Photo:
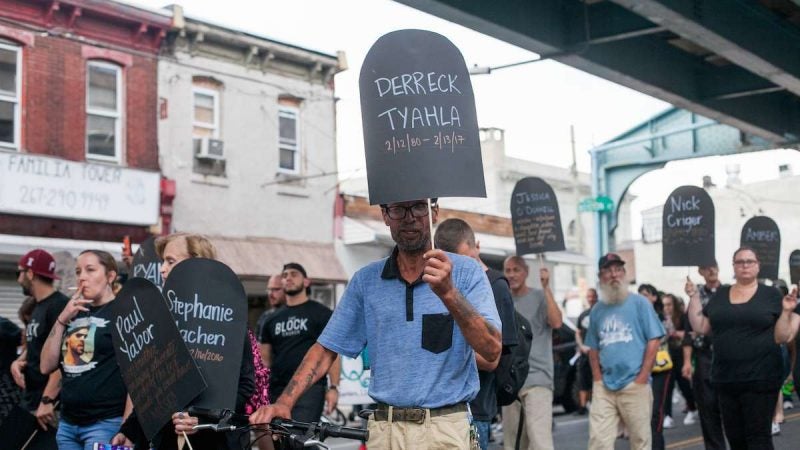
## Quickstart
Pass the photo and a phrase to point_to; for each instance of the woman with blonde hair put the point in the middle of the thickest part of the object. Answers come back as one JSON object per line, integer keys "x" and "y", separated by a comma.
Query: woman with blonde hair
{"x": 173, "y": 249}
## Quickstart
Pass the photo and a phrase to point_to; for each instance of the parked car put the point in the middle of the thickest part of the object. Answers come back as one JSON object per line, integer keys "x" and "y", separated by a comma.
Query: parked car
{"x": 565, "y": 388}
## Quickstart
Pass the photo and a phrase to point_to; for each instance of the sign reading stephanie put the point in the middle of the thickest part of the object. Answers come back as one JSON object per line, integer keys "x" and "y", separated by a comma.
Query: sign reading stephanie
{"x": 762, "y": 235}
{"x": 52, "y": 187}
{"x": 535, "y": 217}
{"x": 209, "y": 306}
{"x": 420, "y": 125}
{"x": 146, "y": 263}
{"x": 159, "y": 373}
{"x": 794, "y": 267}
{"x": 687, "y": 228}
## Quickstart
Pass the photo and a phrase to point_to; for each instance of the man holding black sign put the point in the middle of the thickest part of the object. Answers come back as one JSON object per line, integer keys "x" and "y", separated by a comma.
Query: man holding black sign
{"x": 536, "y": 397}
{"x": 420, "y": 313}
{"x": 287, "y": 335}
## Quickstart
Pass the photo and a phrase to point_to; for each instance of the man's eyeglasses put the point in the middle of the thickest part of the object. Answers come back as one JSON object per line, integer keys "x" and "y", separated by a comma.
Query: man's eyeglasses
{"x": 399, "y": 212}
{"x": 744, "y": 262}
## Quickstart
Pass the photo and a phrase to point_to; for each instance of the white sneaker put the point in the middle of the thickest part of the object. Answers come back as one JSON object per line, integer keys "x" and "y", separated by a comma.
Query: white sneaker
{"x": 788, "y": 404}
{"x": 668, "y": 422}
{"x": 690, "y": 418}
{"x": 776, "y": 428}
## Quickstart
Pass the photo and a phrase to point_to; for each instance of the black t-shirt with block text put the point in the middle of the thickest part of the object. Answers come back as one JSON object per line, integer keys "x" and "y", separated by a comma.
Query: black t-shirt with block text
{"x": 43, "y": 318}
{"x": 291, "y": 331}
{"x": 743, "y": 336}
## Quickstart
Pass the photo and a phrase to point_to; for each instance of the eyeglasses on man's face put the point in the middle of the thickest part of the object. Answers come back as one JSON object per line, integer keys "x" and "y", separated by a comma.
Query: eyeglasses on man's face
{"x": 397, "y": 212}
{"x": 614, "y": 270}
{"x": 744, "y": 262}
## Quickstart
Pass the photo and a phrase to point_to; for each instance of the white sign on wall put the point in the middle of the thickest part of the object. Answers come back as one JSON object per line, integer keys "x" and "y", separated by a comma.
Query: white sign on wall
{"x": 52, "y": 187}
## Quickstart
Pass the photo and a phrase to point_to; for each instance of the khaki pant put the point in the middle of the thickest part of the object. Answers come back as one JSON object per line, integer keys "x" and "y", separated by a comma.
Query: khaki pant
{"x": 450, "y": 431}
{"x": 537, "y": 431}
{"x": 633, "y": 404}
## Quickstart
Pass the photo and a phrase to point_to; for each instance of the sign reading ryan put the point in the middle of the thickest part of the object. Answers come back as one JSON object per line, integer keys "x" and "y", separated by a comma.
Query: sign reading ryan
{"x": 146, "y": 262}
{"x": 535, "y": 217}
{"x": 158, "y": 370}
{"x": 420, "y": 125}
{"x": 762, "y": 235}
{"x": 209, "y": 306}
{"x": 688, "y": 228}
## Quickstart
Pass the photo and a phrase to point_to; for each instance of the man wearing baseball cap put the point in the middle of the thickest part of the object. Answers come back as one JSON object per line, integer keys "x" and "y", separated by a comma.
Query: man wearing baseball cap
{"x": 36, "y": 272}
{"x": 623, "y": 337}
{"x": 287, "y": 335}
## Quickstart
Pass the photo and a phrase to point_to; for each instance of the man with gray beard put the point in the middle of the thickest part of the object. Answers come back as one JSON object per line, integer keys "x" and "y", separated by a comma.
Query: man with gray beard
{"x": 623, "y": 335}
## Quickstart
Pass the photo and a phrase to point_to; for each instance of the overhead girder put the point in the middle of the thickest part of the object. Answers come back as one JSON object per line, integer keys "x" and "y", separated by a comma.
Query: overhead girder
{"x": 628, "y": 42}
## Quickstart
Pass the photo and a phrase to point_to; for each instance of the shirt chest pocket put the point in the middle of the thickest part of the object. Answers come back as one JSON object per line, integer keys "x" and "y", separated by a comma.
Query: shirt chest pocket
{"x": 437, "y": 332}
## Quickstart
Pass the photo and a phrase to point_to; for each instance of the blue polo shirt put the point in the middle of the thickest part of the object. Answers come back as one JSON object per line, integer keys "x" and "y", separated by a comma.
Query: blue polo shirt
{"x": 418, "y": 356}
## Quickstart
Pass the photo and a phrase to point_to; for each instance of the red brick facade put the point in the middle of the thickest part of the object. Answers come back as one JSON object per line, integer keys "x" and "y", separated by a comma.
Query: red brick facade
{"x": 58, "y": 39}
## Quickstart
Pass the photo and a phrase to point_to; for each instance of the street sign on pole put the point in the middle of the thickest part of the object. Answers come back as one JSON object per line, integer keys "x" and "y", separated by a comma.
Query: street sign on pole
{"x": 602, "y": 204}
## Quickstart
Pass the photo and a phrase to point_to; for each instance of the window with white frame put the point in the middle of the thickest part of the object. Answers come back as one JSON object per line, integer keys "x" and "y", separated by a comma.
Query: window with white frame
{"x": 205, "y": 119}
{"x": 288, "y": 140}
{"x": 10, "y": 85}
{"x": 104, "y": 108}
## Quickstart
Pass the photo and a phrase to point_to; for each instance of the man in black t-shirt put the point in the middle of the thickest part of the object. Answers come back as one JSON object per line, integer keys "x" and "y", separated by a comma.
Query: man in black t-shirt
{"x": 700, "y": 346}
{"x": 287, "y": 335}
{"x": 584, "y": 369}
{"x": 36, "y": 274}
{"x": 456, "y": 236}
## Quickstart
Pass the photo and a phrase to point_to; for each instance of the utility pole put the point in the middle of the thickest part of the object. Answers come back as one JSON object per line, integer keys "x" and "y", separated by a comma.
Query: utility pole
{"x": 578, "y": 271}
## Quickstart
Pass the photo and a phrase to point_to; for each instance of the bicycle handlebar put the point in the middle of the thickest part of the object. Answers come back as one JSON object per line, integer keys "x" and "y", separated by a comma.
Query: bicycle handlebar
{"x": 227, "y": 420}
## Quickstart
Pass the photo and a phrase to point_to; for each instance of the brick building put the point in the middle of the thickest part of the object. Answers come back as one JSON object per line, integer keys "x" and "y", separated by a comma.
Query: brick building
{"x": 79, "y": 161}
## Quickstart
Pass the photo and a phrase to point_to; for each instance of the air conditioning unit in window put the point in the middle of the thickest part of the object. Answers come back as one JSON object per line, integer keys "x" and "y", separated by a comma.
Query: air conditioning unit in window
{"x": 211, "y": 149}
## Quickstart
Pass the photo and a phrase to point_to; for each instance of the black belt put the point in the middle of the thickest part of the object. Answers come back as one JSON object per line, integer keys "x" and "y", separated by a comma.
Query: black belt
{"x": 415, "y": 414}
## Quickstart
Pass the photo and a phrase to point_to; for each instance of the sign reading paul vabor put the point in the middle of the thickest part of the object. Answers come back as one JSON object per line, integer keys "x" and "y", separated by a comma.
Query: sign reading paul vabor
{"x": 53, "y": 187}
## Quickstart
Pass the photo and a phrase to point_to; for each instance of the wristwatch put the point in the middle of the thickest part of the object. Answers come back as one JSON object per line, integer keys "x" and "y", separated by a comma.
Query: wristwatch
{"x": 333, "y": 386}
{"x": 47, "y": 400}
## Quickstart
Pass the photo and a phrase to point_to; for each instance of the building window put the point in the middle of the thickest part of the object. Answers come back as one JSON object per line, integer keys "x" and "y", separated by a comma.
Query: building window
{"x": 10, "y": 82}
{"x": 205, "y": 121}
{"x": 207, "y": 146}
{"x": 288, "y": 142}
{"x": 104, "y": 111}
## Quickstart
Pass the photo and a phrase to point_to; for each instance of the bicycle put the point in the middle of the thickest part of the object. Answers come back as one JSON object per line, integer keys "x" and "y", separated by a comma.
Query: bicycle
{"x": 295, "y": 435}
{"x": 336, "y": 417}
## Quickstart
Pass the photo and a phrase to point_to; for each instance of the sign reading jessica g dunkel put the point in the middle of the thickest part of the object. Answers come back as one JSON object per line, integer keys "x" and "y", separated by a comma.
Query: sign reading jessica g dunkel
{"x": 52, "y": 187}
{"x": 420, "y": 125}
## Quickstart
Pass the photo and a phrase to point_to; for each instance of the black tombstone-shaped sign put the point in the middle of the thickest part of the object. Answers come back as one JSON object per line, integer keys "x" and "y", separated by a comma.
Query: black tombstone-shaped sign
{"x": 687, "y": 228}
{"x": 420, "y": 125}
{"x": 209, "y": 305}
{"x": 762, "y": 235}
{"x": 146, "y": 263}
{"x": 535, "y": 217}
{"x": 159, "y": 373}
{"x": 794, "y": 267}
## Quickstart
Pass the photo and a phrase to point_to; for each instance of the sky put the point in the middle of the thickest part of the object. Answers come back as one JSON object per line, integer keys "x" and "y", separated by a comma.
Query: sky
{"x": 534, "y": 103}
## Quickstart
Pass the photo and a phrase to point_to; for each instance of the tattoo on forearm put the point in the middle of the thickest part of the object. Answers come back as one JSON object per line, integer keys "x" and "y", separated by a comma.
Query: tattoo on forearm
{"x": 464, "y": 308}
{"x": 490, "y": 328}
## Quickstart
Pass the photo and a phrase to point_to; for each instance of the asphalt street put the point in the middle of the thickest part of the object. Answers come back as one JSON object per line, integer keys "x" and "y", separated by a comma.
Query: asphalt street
{"x": 572, "y": 433}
